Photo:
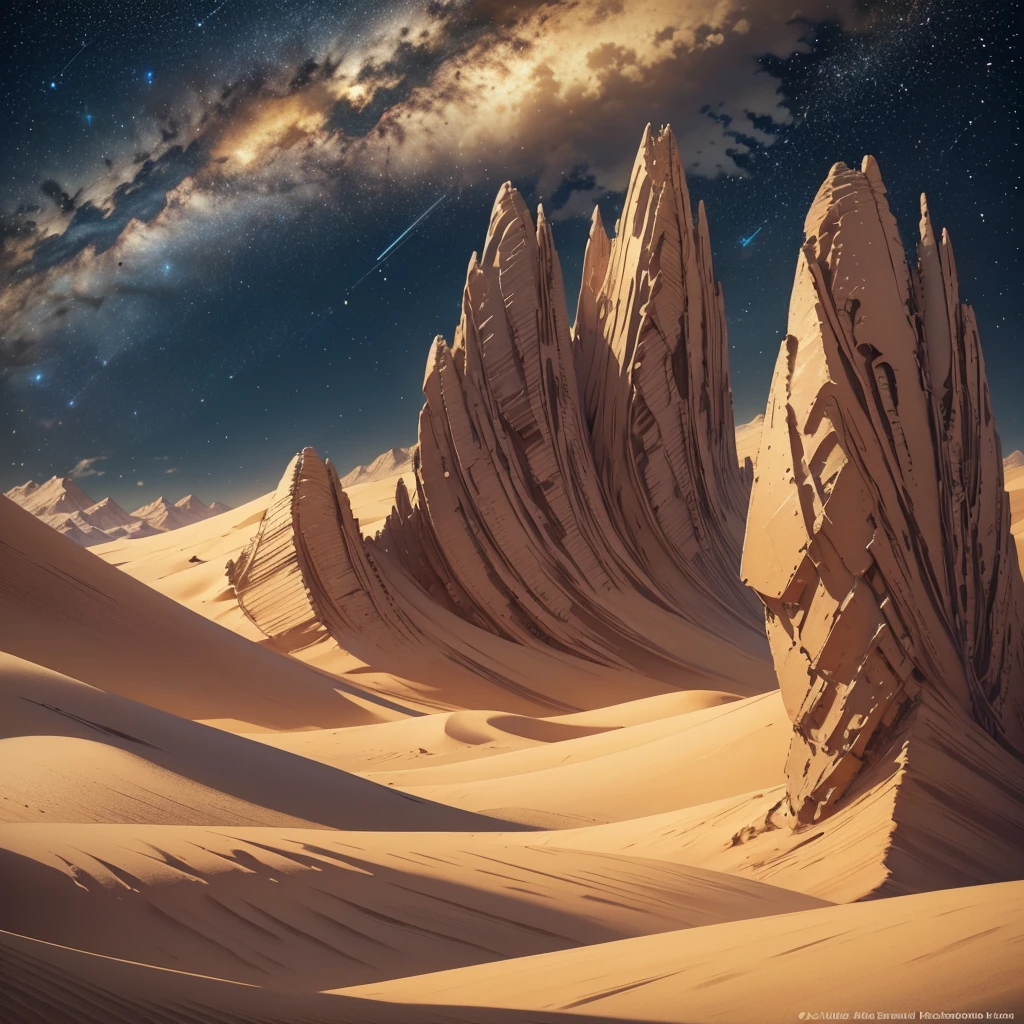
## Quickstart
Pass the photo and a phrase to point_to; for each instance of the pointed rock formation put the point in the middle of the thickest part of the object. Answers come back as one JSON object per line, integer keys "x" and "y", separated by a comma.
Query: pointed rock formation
{"x": 63, "y": 505}
{"x": 653, "y": 366}
{"x": 879, "y": 541}
{"x": 56, "y": 495}
{"x": 20, "y": 493}
{"x": 530, "y": 521}
{"x": 193, "y": 506}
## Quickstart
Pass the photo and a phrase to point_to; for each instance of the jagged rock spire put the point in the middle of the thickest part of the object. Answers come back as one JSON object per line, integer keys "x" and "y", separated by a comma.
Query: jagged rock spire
{"x": 529, "y": 524}
{"x": 878, "y": 536}
{"x": 653, "y": 365}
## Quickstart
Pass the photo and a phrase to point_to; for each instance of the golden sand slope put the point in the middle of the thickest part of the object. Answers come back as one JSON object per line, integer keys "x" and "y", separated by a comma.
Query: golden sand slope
{"x": 433, "y": 740}
{"x": 748, "y": 438}
{"x": 310, "y": 909}
{"x": 62, "y": 607}
{"x": 676, "y": 762}
{"x": 954, "y": 950}
{"x": 72, "y": 753}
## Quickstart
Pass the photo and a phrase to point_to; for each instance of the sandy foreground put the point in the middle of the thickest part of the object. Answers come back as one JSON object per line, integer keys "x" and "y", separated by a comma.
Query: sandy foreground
{"x": 197, "y": 827}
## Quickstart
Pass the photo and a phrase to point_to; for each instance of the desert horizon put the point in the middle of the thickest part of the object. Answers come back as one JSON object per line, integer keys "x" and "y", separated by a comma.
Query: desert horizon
{"x": 589, "y": 704}
{"x": 490, "y": 728}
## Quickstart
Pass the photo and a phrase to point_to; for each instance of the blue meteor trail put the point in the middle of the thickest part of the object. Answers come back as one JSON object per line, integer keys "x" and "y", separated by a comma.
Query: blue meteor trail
{"x": 329, "y": 313}
{"x": 744, "y": 242}
{"x": 199, "y": 24}
{"x": 410, "y": 227}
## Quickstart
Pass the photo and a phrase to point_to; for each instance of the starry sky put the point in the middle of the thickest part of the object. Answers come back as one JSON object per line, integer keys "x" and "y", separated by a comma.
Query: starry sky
{"x": 200, "y": 201}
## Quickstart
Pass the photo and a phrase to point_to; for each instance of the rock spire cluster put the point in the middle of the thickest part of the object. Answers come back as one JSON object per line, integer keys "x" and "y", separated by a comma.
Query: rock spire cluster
{"x": 577, "y": 490}
{"x": 575, "y": 505}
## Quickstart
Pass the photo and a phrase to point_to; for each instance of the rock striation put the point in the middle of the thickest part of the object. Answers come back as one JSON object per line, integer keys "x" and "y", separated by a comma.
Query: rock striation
{"x": 879, "y": 535}
{"x": 529, "y": 521}
{"x": 653, "y": 367}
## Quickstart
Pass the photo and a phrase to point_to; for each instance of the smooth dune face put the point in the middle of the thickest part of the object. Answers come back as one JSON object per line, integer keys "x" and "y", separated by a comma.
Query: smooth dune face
{"x": 643, "y": 769}
{"x": 138, "y": 764}
{"x": 906, "y": 951}
{"x": 765, "y": 970}
{"x": 487, "y": 730}
{"x": 68, "y": 610}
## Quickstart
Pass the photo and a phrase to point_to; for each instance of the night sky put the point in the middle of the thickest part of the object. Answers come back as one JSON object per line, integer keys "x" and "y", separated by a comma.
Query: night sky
{"x": 195, "y": 197}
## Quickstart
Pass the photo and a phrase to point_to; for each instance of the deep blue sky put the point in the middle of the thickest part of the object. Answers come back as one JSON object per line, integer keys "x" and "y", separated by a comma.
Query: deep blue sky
{"x": 219, "y": 346}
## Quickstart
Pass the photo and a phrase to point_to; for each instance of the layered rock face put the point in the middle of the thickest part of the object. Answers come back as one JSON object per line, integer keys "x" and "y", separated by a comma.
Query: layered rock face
{"x": 577, "y": 496}
{"x": 653, "y": 366}
{"x": 879, "y": 535}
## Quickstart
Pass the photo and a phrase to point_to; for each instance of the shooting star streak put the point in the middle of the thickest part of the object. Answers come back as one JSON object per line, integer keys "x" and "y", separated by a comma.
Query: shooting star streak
{"x": 328, "y": 314}
{"x": 744, "y": 242}
{"x": 421, "y": 217}
{"x": 199, "y": 24}
{"x": 73, "y": 59}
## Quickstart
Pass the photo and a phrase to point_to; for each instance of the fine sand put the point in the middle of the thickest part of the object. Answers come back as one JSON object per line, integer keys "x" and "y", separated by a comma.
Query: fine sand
{"x": 951, "y": 951}
{"x": 196, "y": 827}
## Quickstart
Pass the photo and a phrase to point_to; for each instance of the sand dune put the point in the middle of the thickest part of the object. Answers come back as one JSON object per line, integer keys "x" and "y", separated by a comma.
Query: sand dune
{"x": 373, "y": 499}
{"x": 433, "y": 740}
{"x": 951, "y": 950}
{"x": 748, "y": 438}
{"x": 611, "y": 776}
{"x": 122, "y": 636}
{"x": 72, "y": 753}
{"x": 954, "y": 950}
{"x": 188, "y": 564}
{"x": 308, "y": 910}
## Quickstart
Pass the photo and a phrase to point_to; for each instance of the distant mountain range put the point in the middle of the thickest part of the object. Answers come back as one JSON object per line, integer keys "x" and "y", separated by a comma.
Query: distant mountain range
{"x": 389, "y": 464}
{"x": 62, "y": 504}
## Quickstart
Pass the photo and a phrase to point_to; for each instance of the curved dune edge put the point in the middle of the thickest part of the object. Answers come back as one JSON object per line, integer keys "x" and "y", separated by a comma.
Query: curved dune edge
{"x": 670, "y": 764}
{"x": 306, "y": 909}
{"x": 432, "y": 741}
{"x": 64, "y": 608}
{"x": 72, "y": 753}
{"x": 953, "y": 950}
